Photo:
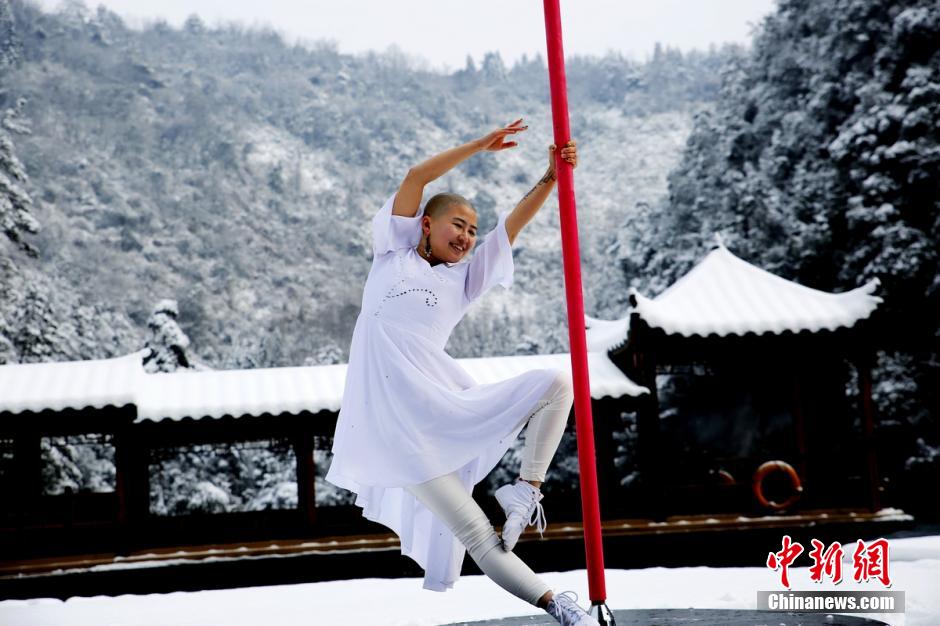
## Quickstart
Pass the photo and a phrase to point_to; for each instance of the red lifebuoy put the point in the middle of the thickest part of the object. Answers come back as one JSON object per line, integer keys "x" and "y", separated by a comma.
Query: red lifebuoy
{"x": 725, "y": 477}
{"x": 768, "y": 468}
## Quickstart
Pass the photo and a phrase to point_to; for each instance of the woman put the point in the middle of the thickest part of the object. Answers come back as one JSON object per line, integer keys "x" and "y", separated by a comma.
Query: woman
{"x": 416, "y": 432}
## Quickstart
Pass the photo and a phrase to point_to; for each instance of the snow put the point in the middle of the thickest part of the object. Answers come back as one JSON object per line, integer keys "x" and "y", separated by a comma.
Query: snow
{"x": 914, "y": 566}
{"x": 275, "y": 150}
{"x": 190, "y": 393}
{"x": 69, "y": 384}
{"x": 606, "y": 335}
{"x": 724, "y": 294}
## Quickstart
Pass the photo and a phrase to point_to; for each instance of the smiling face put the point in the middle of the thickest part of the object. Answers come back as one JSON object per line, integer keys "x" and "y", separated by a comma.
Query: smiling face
{"x": 459, "y": 230}
{"x": 453, "y": 233}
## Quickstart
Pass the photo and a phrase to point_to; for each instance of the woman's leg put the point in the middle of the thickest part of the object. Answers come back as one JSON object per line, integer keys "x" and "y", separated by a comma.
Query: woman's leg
{"x": 447, "y": 499}
{"x": 545, "y": 429}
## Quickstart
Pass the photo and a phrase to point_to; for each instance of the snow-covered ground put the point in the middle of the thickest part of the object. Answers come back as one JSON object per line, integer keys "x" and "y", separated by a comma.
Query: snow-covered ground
{"x": 914, "y": 567}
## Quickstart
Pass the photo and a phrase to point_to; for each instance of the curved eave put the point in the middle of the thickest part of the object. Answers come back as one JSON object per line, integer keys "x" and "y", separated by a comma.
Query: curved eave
{"x": 606, "y": 336}
{"x": 650, "y": 311}
{"x": 218, "y": 416}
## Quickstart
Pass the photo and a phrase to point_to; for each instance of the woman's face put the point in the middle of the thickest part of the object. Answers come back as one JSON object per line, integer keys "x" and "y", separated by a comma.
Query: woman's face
{"x": 454, "y": 233}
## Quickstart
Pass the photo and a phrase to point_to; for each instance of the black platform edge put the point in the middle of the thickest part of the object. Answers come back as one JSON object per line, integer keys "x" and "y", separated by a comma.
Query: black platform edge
{"x": 697, "y": 617}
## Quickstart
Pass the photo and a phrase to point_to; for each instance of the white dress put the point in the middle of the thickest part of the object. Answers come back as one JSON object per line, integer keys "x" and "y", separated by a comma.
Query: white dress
{"x": 410, "y": 412}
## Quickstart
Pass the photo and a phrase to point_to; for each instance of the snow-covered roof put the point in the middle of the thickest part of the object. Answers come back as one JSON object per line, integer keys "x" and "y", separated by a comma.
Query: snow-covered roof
{"x": 725, "y": 295}
{"x": 70, "y": 384}
{"x": 606, "y": 379}
{"x": 605, "y": 335}
{"x": 215, "y": 393}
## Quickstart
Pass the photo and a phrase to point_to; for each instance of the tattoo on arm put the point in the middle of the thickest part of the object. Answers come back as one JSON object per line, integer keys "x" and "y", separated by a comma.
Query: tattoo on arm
{"x": 544, "y": 180}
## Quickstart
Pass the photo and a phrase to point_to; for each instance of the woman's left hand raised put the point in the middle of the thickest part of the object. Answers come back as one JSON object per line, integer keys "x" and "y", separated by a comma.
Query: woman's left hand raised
{"x": 494, "y": 141}
{"x": 569, "y": 153}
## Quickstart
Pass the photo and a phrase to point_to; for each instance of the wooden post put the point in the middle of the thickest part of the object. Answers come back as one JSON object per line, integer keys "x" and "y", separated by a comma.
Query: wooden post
{"x": 306, "y": 473}
{"x": 863, "y": 367}
{"x": 132, "y": 467}
{"x": 799, "y": 428}
{"x": 121, "y": 475}
{"x": 606, "y": 448}
{"x": 27, "y": 462}
{"x": 647, "y": 431}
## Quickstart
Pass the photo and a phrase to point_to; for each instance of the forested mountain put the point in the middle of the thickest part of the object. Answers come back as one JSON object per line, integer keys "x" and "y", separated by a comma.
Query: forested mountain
{"x": 207, "y": 192}
{"x": 236, "y": 175}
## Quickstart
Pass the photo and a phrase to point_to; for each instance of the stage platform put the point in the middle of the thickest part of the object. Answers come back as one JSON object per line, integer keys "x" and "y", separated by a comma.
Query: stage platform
{"x": 681, "y": 541}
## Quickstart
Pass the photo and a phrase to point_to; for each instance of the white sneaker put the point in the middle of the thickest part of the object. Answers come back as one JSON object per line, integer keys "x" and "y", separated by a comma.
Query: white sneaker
{"x": 565, "y": 609}
{"x": 521, "y": 502}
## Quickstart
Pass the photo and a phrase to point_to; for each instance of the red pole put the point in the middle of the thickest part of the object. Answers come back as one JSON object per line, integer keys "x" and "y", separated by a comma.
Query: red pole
{"x": 573, "y": 294}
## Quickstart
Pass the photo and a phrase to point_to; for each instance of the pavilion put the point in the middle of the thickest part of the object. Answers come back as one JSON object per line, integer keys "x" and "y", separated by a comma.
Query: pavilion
{"x": 756, "y": 368}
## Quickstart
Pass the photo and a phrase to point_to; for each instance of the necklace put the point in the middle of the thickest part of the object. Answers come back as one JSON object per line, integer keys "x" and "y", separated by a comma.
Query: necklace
{"x": 432, "y": 269}
{"x": 432, "y": 266}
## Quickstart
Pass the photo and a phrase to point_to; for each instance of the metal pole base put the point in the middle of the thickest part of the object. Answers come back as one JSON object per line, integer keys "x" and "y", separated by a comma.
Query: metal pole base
{"x": 602, "y": 614}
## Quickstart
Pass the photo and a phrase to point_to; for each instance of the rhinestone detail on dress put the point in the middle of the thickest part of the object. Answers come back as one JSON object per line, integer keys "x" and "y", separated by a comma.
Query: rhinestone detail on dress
{"x": 430, "y": 299}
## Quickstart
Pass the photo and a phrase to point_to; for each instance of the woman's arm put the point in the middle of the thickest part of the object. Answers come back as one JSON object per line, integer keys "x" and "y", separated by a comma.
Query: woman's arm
{"x": 411, "y": 189}
{"x": 536, "y": 197}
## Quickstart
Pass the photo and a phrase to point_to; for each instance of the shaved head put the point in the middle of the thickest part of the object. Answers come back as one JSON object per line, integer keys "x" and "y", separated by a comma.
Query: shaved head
{"x": 438, "y": 204}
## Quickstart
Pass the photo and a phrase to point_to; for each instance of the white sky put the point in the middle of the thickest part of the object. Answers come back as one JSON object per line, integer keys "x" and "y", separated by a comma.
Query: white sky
{"x": 445, "y": 31}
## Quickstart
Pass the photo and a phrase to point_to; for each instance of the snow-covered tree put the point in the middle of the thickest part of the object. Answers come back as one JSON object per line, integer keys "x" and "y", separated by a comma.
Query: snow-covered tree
{"x": 167, "y": 342}
{"x": 15, "y": 201}
{"x": 77, "y": 463}
{"x": 35, "y": 325}
{"x": 527, "y": 344}
{"x": 42, "y": 319}
{"x": 327, "y": 354}
{"x": 194, "y": 25}
{"x": 208, "y": 478}
{"x": 493, "y": 68}
{"x": 10, "y": 45}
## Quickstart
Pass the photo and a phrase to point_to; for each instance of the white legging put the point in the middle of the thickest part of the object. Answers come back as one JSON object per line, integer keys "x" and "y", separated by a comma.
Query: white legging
{"x": 446, "y": 497}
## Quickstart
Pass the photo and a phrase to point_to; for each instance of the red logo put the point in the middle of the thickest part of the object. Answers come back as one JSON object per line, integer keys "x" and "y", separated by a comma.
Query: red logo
{"x": 784, "y": 558}
{"x": 828, "y": 562}
{"x": 869, "y": 561}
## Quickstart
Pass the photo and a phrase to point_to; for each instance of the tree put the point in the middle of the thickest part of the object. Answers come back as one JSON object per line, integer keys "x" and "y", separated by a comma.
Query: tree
{"x": 10, "y": 45}
{"x": 493, "y": 67}
{"x": 15, "y": 202}
{"x": 327, "y": 354}
{"x": 194, "y": 25}
{"x": 167, "y": 341}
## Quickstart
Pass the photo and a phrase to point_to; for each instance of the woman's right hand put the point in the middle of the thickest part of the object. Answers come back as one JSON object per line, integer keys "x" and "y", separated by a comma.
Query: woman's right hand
{"x": 494, "y": 140}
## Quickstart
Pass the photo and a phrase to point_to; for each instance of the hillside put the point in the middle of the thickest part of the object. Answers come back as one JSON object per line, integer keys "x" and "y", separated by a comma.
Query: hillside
{"x": 237, "y": 175}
